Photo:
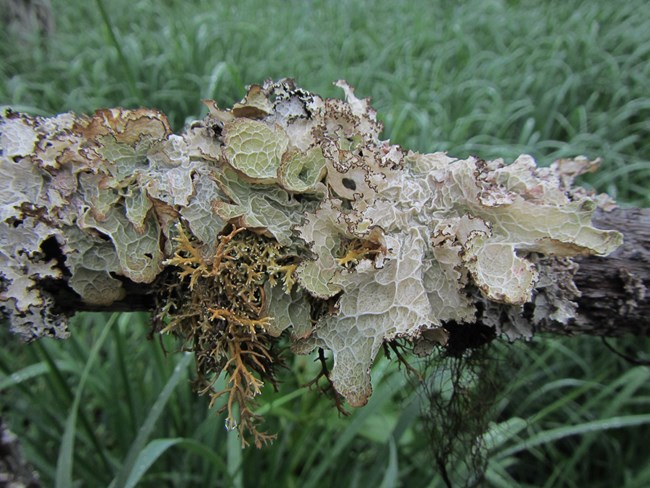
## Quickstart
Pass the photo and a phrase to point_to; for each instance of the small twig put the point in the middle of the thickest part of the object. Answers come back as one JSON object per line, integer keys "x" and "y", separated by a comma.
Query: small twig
{"x": 629, "y": 359}
{"x": 328, "y": 390}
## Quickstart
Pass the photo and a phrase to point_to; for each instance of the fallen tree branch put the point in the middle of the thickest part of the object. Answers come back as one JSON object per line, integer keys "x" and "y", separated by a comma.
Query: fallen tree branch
{"x": 288, "y": 212}
{"x": 614, "y": 298}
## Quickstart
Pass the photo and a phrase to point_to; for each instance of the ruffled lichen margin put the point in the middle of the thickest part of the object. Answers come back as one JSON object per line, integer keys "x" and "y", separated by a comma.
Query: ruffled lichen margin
{"x": 286, "y": 214}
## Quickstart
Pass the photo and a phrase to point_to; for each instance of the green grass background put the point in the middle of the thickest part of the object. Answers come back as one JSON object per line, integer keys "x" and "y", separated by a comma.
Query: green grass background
{"x": 490, "y": 78}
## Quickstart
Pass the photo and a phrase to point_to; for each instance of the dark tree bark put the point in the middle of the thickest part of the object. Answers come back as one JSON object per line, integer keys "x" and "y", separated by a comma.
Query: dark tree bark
{"x": 615, "y": 298}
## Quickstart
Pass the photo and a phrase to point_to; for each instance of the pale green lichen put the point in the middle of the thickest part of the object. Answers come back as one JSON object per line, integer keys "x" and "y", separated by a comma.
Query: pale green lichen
{"x": 77, "y": 180}
{"x": 369, "y": 243}
{"x": 301, "y": 172}
{"x": 255, "y": 148}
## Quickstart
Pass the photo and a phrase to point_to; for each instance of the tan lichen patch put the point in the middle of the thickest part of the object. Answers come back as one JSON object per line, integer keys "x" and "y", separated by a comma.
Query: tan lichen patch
{"x": 255, "y": 105}
{"x": 127, "y": 126}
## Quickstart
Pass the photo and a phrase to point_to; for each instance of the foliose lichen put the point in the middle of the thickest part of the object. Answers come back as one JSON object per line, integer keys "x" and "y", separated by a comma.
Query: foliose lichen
{"x": 286, "y": 213}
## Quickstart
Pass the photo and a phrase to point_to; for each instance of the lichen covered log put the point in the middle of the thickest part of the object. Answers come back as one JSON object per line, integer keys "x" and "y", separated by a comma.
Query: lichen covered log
{"x": 286, "y": 214}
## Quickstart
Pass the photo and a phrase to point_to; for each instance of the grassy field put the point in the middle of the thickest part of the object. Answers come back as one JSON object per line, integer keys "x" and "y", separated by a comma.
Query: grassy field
{"x": 490, "y": 78}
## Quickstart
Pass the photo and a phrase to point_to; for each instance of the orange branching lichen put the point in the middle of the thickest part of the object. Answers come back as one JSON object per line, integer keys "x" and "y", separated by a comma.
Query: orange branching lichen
{"x": 243, "y": 321}
{"x": 358, "y": 249}
{"x": 188, "y": 258}
{"x": 247, "y": 356}
{"x": 287, "y": 274}
{"x": 225, "y": 321}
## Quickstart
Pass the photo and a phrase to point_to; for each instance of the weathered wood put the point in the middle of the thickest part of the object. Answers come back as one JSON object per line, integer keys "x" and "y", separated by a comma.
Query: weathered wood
{"x": 616, "y": 290}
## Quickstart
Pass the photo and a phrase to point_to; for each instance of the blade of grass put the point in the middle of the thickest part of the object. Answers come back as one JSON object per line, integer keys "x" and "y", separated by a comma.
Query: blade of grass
{"x": 33, "y": 371}
{"x": 380, "y": 397}
{"x": 235, "y": 458}
{"x": 391, "y": 475}
{"x": 498, "y": 476}
{"x": 128, "y": 72}
{"x": 498, "y": 434}
{"x": 148, "y": 456}
{"x": 66, "y": 454}
{"x": 409, "y": 415}
{"x": 60, "y": 388}
{"x": 629, "y": 383}
{"x": 278, "y": 402}
{"x": 120, "y": 357}
{"x": 149, "y": 423}
{"x": 553, "y": 435}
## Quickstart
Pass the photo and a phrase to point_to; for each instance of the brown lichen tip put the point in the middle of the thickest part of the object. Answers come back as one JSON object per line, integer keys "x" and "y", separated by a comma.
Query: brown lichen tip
{"x": 287, "y": 212}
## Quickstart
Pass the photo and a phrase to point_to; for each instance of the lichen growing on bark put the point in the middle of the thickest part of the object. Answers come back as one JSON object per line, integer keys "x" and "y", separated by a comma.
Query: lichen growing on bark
{"x": 287, "y": 212}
